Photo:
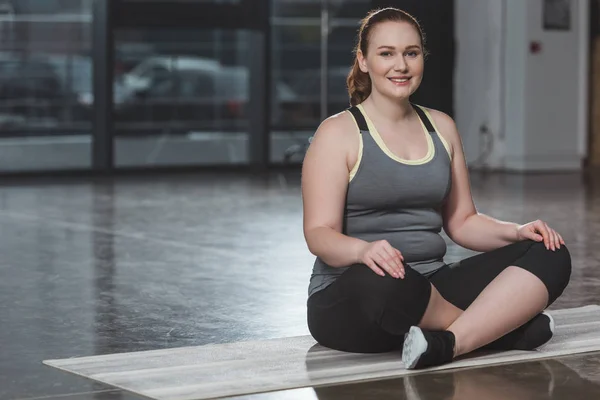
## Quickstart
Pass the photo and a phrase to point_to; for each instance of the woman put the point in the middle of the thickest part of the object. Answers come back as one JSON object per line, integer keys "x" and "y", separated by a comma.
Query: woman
{"x": 379, "y": 182}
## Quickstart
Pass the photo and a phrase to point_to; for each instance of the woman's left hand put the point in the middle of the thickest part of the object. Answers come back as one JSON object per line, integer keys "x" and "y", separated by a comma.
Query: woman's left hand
{"x": 538, "y": 231}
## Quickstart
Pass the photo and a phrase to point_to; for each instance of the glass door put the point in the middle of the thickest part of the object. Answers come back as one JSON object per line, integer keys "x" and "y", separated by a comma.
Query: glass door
{"x": 311, "y": 53}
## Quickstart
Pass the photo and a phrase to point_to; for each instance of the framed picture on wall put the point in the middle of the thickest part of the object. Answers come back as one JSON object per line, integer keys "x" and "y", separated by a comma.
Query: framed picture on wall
{"x": 557, "y": 15}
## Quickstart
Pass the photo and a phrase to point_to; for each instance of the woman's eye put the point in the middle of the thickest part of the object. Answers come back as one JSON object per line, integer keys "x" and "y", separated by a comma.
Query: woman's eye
{"x": 412, "y": 54}
{"x": 386, "y": 53}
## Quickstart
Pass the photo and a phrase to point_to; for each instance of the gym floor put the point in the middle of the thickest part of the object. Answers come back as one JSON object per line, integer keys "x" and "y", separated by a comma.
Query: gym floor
{"x": 152, "y": 262}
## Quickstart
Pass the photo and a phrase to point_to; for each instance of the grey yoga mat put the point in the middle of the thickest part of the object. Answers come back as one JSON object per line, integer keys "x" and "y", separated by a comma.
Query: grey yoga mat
{"x": 220, "y": 370}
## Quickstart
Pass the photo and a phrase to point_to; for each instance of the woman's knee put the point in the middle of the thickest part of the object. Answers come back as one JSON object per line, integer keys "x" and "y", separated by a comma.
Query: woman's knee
{"x": 558, "y": 261}
{"x": 367, "y": 283}
{"x": 562, "y": 267}
{"x": 553, "y": 267}
{"x": 394, "y": 303}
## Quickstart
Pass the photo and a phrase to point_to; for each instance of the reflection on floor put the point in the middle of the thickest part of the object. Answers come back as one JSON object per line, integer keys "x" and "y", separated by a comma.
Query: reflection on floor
{"x": 551, "y": 379}
{"x": 127, "y": 264}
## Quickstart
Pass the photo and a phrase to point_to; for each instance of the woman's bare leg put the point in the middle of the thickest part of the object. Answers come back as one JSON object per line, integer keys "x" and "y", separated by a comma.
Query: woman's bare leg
{"x": 440, "y": 313}
{"x": 510, "y": 300}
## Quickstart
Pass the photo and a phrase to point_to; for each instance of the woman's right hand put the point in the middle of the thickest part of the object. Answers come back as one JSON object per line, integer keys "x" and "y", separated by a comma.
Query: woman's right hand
{"x": 381, "y": 255}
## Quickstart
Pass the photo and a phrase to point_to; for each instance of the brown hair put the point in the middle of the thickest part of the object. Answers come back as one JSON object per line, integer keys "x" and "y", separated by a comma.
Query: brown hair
{"x": 359, "y": 83}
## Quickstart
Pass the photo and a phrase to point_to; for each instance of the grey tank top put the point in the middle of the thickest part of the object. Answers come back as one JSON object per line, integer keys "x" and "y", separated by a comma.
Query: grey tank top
{"x": 394, "y": 199}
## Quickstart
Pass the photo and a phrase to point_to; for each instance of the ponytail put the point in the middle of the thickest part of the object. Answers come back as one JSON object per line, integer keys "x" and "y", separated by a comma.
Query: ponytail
{"x": 359, "y": 84}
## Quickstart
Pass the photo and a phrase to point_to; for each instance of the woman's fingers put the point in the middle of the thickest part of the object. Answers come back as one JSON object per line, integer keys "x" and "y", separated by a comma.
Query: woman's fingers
{"x": 402, "y": 269}
{"x": 541, "y": 228}
{"x": 389, "y": 266}
{"x": 550, "y": 237}
{"x": 393, "y": 257}
{"x": 384, "y": 265}
{"x": 381, "y": 257}
{"x": 371, "y": 264}
{"x": 556, "y": 239}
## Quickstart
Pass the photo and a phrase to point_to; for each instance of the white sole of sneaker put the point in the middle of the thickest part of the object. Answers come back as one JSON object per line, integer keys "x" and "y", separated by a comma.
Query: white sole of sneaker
{"x": 414, "y": 347}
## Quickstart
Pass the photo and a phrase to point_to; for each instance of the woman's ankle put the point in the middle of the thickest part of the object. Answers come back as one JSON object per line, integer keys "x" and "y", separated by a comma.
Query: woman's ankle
{"x": 457, "y": 347}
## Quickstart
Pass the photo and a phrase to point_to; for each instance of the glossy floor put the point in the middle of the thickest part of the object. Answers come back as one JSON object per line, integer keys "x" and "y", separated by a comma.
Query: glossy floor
{"x": 139, "y": 263}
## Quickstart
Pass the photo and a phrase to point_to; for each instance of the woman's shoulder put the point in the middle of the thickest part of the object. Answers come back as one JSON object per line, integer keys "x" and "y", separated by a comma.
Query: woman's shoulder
{"x": 336, "y": 139}
{"x": 444, "y": 125}
{"x": 336, "y": 127}
{"x": 341, "y": 122}
{"x": 440, "y": 118}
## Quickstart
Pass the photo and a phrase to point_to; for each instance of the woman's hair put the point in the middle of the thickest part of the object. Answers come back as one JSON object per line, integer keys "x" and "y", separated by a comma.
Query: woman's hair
{"x": 359, "y": 83}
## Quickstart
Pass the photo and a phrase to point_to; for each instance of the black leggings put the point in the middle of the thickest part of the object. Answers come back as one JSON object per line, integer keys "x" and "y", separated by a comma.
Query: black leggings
{"x": 362, "y": 312}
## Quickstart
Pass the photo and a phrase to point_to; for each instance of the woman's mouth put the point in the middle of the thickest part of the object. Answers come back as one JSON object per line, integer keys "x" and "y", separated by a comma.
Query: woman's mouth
{"x": 400, "y": 81}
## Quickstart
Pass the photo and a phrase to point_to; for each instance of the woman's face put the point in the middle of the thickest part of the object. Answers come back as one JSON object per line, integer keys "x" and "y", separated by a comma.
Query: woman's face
{"x": 394, "y": 59}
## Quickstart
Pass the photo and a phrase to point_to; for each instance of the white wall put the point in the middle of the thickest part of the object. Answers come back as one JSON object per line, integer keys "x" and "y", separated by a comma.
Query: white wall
{"x": 477, "y": 81}
{"x": 535, "y": 105}
{"x": 515, "y": 44}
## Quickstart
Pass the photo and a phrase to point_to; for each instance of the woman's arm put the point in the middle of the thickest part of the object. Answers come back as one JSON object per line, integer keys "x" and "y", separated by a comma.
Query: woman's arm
{"x": 462, "y": 223}
{"x": 325, "y": 175}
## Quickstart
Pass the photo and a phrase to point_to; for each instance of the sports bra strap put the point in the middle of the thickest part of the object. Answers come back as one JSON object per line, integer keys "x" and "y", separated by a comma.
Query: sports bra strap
{"x": 362, "y": 122}
{"x": 424, "y": 118}
{"x": 360, "y": 118}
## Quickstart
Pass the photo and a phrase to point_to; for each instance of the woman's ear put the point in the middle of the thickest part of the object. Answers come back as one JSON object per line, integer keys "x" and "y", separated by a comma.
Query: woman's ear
{"x": 362, "y": 61}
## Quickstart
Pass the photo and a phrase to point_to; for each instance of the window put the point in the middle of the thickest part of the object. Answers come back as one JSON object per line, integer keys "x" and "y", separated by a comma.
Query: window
{"x": 185, "y": 97}
{"x": 45, "y": 84}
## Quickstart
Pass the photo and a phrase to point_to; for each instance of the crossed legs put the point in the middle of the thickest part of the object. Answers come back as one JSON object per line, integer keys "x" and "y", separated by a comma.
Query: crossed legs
{"x": 480, "y": 299}
{"x": 519, "y": 281}
{"x": 514, "y": 297}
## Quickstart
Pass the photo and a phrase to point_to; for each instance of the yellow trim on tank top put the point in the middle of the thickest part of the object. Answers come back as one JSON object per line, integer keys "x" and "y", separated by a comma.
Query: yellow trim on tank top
{"x": 437, "y": 130}
{"x": 379, "y": 140}
{"x": 360, "y": 150}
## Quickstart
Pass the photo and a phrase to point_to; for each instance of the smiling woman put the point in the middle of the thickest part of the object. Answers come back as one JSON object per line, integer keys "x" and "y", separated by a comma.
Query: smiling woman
{"x": 379, "y": 182}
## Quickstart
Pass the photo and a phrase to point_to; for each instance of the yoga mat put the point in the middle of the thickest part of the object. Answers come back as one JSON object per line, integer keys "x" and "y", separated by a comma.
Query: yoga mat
{"x": 231, "y": 369}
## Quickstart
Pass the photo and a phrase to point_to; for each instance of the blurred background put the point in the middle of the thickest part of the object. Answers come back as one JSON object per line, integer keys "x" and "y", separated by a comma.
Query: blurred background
{"x": 129, "y": 110}
{"x": 106, "y": 85}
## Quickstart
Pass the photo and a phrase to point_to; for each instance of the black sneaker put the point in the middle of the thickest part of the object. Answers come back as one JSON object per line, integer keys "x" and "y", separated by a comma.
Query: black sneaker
{"x": 538, "y": 333}
{"x": 530, "y": 336}
{"x": 423, "y": 348}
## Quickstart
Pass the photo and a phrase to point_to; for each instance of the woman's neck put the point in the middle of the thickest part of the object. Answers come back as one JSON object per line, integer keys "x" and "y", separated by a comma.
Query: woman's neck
{"x": 391, "y": 111}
